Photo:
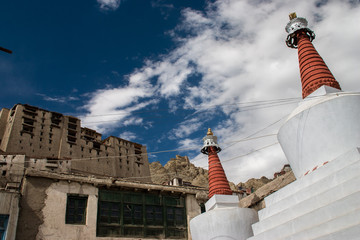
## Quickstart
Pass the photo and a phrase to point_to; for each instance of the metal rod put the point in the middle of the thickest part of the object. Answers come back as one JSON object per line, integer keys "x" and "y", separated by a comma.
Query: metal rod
{"x": 5, "y": 50}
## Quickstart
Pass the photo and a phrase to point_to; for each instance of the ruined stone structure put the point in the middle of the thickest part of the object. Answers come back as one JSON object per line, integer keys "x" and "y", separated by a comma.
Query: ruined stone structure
{"x": 40, "y": 133}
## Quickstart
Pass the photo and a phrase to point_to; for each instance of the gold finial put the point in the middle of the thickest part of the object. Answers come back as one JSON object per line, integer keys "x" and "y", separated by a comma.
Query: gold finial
{"x": 209, "y": 132}
{"x": 292, "y": 15}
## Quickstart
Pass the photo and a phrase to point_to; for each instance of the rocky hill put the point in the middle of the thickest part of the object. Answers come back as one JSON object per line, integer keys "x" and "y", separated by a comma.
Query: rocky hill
{"x": 254, "y": 183}
{"x": 179, "y": 167}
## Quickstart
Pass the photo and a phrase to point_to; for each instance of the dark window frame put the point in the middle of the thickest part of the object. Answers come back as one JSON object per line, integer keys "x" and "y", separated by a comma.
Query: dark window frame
{"x": 76, "y": 208}
{"x": 4, "y": 220}
{"x": 141, "y": 214}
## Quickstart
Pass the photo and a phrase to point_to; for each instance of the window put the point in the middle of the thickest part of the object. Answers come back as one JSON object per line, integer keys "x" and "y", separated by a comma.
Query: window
{"x": 3, "y": 225}
{"x": 154, "y": 215}
{"x": 76, "y": 209}
{"x": 27, "y": 129}
{"x": 202, "y": 207}
{"x": 28, "y": 121}
{"x": 143, "y": 215}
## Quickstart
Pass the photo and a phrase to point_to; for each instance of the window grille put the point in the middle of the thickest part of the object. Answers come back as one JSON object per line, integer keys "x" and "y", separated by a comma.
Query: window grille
{"x": 76, "y": 209}
{"x": 140, "y": 214}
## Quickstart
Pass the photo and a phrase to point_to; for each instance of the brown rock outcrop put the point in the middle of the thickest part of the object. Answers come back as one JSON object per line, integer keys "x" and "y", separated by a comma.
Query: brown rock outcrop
{"x": 254, "y": 183}
{"x": 256, "y": 199}
{"x": 179, "y": 167}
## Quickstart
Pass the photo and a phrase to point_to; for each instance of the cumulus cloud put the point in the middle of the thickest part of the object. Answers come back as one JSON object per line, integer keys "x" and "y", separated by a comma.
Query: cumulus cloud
{"x": 108, "y": 107}
{"x": 109, "y": 4}
{"x": 186, "y": 128}
{"x": 188, "y": 144}
{"x": 237, "y": 51}
{"x": 128, "y": 135}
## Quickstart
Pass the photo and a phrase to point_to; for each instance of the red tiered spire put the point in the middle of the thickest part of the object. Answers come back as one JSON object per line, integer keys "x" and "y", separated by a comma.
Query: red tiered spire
{"x": 313, "y": 70}
{"x": 218, "y": 183}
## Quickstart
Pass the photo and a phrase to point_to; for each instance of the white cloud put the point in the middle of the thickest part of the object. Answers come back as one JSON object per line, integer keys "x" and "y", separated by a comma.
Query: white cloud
{"x": 186, "y": 128}
{"x": 237, "y": 48}
{"x": 128, "y": 135}
{"x": 188, "y": 144}
{"x": 242, "y": 57}
{"x": 165, "y": 8}
{"x": 58, "y": 99}
{"x": 109, "y": 4}
{"x": 114, "y": 107}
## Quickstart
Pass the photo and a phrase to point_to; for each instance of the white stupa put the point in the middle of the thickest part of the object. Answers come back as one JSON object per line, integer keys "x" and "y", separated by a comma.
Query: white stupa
{"x": 223, "y": 219}
{"x": 321, "y": 140}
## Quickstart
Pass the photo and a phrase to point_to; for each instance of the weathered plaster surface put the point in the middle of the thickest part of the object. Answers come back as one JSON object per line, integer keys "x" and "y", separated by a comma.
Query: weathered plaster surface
{"x": 44, "y": 204}
{"x": 192, "y": 210}
{"x": 54, "y": 211}
{"x": 31, "y": 205}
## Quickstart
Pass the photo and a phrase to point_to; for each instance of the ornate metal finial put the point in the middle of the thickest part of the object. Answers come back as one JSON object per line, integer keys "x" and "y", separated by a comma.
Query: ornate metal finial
{"x": 296, "y": 25}
{"x": 210, "y": 141}
{"x": 292, "y": 15}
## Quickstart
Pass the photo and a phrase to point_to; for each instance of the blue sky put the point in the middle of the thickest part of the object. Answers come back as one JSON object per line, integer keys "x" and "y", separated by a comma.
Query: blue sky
{"x": 160, "y": 72}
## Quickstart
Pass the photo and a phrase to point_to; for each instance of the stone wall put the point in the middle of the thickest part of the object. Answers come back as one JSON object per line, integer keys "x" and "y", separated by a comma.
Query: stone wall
{"x": 44, "y": 200}
{"x": 31, "y": 205}
{"x": 256, "y": 199}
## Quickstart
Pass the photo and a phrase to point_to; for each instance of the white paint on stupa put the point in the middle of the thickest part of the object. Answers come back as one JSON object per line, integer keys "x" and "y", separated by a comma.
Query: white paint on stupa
{"x": 320, "y": 129}
{"x": 321, "y": 139}
{"x": 223, "y": 220}
{"x": 324, "y": 204}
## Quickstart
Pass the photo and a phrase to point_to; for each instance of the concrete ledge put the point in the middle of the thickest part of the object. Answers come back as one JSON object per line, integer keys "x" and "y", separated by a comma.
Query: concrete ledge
{"x": 222, "y": 201}
{"x": 333, "y": 166}
{"x": 224, "y": 224}
{"x": 312, "y": 219}
{"x": 342, "y": 179}
{"x": 302, "y": 207}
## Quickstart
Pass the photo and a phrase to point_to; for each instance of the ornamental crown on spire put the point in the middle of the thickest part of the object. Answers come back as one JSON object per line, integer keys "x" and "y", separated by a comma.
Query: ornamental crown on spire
{"x": 210, "y": 141}
{"x": 296, "y": 24}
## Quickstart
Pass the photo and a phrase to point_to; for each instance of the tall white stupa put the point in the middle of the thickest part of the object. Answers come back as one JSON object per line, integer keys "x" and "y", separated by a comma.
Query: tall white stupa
{"x": 223, "y": 219}
{"x": 321, "y": 140}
